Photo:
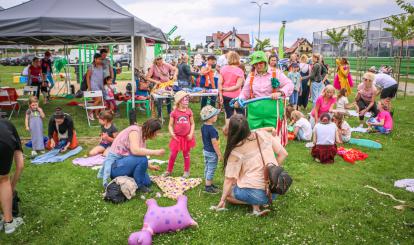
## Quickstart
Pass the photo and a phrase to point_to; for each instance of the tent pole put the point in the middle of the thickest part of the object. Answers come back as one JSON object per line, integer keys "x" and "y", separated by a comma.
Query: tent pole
{"x": 133, "y": 71}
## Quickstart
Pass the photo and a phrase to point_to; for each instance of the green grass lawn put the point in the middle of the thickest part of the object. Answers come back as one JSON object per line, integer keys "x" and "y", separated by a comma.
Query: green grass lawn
{"x": 327, "y": 204}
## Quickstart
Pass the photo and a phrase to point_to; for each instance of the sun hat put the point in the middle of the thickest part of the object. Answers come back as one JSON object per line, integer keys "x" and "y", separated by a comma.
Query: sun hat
{"x": 208, "y": 112}
{"x": 369, "y": 76}
{"x": 179, "y": 96}
{"x": 257, "y": 57}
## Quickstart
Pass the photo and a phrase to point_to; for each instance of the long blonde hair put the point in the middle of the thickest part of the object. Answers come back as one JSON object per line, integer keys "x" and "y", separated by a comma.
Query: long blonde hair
{"x": 296, "y": 115}
{"x": 328, "y": 88}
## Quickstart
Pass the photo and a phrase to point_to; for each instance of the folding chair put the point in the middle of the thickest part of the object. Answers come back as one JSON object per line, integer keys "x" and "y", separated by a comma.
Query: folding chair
{"x": 90, "y": 95}
{"x": 8, "y": 102}
{"x": 21, "y": 100}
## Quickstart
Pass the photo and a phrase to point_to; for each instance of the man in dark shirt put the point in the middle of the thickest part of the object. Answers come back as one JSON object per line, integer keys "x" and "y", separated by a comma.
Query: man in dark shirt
{"x": 185, "y": 73}
{"x": 10, "y": 148}
{"x": 47, "y": 70}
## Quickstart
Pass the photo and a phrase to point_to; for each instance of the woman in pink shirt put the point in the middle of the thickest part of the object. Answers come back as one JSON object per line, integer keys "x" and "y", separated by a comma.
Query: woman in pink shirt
{"x": 264, "y": 82}
{"x": 161, "y": 72}
{"x": 230, "y": 82}
{"x": 324, "y": 104}
{"x": 365, "y": 98}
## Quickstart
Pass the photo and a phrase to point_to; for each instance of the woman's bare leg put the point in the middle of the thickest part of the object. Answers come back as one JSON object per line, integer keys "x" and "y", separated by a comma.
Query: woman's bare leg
{"x": 6, "y": 197}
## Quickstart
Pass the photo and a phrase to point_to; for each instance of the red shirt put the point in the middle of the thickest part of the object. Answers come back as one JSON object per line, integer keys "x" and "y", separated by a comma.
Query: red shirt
{"x": 182, "y": 123}
{"x": 35, "y": 73}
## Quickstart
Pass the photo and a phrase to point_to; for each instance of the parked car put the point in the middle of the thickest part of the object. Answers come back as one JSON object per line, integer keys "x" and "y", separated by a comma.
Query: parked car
{"x": 123, "y": 60}
{"x": 26, "y": 59}
{"x": 5, "y": 61}
{"x": 15, "y": 61}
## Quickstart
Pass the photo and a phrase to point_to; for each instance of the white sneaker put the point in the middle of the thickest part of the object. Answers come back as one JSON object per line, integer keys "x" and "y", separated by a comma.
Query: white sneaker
{"x": 11, "y": 227}
{"x": 1, "y": 222}
{"x": 186, "y": 175}
{"x": 34, "y": 153}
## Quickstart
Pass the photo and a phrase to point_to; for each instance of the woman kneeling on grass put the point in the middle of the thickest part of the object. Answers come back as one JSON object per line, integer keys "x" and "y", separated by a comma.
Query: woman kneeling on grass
{"x": 244, "y": 171}
{"x": 128, "y": 154}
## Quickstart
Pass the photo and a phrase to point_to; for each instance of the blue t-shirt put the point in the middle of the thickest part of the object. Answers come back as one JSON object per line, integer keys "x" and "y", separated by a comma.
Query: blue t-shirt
{"x": 208, "y": 132}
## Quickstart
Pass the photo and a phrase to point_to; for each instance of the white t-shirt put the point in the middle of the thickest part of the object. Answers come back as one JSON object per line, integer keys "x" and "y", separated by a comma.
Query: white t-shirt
{"x": 306, "y": 128}
{"x": 325, "y": 133}
{"x": 384, "y": 81}
{"x": 341, "y": 102}
{"x": 345, "y": 131}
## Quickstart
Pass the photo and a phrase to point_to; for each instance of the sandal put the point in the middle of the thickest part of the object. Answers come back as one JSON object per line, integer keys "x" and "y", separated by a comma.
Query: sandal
{"x": 260, "y": 213}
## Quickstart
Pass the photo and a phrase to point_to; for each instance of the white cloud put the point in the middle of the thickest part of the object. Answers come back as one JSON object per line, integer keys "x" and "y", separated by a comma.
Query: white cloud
{"x": 353, "y": 6}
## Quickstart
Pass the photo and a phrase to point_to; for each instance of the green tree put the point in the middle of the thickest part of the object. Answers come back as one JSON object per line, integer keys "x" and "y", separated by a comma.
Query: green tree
{"x": 336, "y": 38}
{"x": 401, "y": 28}
{"x": 261, "y": 45}
{"x": 176, "y": 41}
{"x": 358, "y": 35}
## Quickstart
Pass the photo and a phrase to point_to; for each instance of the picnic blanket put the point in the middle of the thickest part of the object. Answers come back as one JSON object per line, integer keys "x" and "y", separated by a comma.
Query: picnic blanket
{"x": 351, "y": 155}
{"x": 89, "y": 161}
{"x": 173, "y": 187}
{"x": 53, "y": 156}
{"x": 407, "y": 184}
{"x": 356, "y": 114}
{"x": 359, "y": 130}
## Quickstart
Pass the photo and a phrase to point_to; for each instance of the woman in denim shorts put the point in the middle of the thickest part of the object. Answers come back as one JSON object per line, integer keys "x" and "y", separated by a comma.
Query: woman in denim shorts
{"x": 244, "y": 171}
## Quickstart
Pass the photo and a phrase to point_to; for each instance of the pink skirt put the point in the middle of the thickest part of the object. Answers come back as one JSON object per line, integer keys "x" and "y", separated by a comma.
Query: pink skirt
{"x": 182, "y": 143}
{"x": 336, "y": 82}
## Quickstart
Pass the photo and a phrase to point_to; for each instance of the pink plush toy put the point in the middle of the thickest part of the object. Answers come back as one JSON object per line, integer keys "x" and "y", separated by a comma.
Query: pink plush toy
{"x": 161, "y": 220}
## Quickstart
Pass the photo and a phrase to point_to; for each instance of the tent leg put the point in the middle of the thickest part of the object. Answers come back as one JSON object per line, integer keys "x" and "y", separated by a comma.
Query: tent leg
{"x": 133, "y": 71}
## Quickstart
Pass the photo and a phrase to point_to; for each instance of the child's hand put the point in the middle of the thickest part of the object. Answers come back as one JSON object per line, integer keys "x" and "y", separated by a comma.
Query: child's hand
{"x": 104, "y": 136}
{"x": 27, "y": 128}
{"x": 173, "y": 135}
{"x": 190, "y": 137}
{"x": 154, "y": 167}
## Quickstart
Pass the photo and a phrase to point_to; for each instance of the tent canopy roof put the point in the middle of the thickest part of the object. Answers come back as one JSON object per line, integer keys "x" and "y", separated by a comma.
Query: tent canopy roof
{"x": 56, "y": 22}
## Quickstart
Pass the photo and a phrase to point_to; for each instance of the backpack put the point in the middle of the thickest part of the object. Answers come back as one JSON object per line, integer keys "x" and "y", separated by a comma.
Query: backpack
{"x": 114, "y": 194}
{"x": 277, "y": 179}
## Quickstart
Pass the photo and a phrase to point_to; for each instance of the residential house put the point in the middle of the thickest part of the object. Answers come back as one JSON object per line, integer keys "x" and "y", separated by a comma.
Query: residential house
{"x": 301, "y": 46}
{"x": 230, "y": 41}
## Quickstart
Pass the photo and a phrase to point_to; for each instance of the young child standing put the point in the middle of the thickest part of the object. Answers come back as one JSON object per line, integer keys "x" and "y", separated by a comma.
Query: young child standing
{"x": 34, "y": 124}
{"x": 181, "y": 128}
{"x": 294, "y": 76}
{"x": 343, "y": 126}
{"x": 383, "y": 122}
{"x": 109, "y": 94}
{"x": 211, "y": 149}
{"x": 302, "y": 127}
{"x": 325, "y": 137}
{"x": 108, "y": 134}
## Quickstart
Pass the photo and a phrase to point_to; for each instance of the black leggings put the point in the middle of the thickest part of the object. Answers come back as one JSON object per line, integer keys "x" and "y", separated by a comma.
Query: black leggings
{"x": 6, "y": 158}
{"x": 230, "y": 110}
{"x": 364, "y": 104}
{"x": 304, "y": 97}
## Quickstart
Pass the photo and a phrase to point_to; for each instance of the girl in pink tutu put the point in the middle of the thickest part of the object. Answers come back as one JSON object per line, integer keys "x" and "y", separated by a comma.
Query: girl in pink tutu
{"x": 181, "y": 128}
{"x": 343, "y": 78}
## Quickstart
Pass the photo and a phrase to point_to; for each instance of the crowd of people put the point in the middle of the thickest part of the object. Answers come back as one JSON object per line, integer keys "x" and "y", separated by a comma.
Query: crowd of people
{"x": 253, "y": 136}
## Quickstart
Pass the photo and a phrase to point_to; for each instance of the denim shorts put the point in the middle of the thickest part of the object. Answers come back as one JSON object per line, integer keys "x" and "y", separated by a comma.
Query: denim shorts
{"x": 251, "y": 196}
{"x": 105, "y": 145}
{"x": 210, "y": 162}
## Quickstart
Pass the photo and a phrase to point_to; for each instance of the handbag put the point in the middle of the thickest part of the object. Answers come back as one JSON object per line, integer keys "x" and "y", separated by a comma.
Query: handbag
{"x": 277, "y": 180}
{"x": 143, "y": 84}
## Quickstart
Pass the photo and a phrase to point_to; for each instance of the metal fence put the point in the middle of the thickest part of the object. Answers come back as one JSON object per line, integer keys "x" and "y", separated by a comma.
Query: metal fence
{"x": 378, "y": 42}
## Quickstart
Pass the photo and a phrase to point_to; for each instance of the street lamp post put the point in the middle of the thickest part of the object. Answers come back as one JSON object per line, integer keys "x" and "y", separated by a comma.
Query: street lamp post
{"x": 259, "y": 4}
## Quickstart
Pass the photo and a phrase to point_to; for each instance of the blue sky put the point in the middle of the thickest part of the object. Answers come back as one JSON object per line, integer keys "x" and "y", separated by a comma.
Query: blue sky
{"x": 197, "y": 18}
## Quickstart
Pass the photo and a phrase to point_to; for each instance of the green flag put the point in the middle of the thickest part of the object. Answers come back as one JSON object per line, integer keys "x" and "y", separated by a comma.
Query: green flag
{"x": 281, "y": 42}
